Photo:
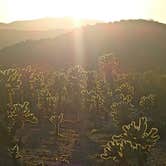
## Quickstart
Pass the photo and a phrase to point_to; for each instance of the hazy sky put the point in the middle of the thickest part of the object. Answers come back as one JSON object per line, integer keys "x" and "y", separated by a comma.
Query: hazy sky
{"x": 11, "y": 10}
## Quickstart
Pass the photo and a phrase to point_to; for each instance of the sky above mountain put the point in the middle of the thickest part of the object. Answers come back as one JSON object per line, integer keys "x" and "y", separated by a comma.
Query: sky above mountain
{"x": 106, "y": 10}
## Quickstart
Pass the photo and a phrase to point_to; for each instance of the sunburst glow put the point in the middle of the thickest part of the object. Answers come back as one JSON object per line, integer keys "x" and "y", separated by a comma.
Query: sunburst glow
{"x": 92, "y": 9}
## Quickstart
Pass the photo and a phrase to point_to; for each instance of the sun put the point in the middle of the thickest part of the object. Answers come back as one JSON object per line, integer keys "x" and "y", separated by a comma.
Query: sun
{"x": 77, "y": 9}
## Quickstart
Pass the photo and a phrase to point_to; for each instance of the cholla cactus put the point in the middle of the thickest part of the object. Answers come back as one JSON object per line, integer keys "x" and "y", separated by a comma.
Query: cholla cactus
{"x": 58, "y": 87}
{"x": 11, "y": 78}
{"x": 122, "y": 99}
{"x": 113, "y": 150}
{"x": 76, "y": 72}
{"x": 147, "y": 102}
{"x": 91, "y": 77}
{"x": 11, "y": 81}
{"x": 20, "y": 113}
{"x": 125, "y": 89}
{"x": 46, "y": 100}
{"x": 76, "y": 83}
{"x": 56, "y": 120}
{"x": 14, "y": 152}
{"x": 134, "y": 137}
{"x": 58, "y": 83}
{"x": 138, "y": 135}
{"x": 109, "y": 66}
{"x": 96, "y": 101}
{"x": 36, "y": 80}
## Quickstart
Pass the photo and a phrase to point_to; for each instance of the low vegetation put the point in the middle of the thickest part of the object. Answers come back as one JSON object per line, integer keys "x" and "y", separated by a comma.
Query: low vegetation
{"x": 79, "y": 117}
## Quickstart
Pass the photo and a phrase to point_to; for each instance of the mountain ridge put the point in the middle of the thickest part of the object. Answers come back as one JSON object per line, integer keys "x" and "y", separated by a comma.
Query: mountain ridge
{"x": 138, "y": 43}
{"x": 47, "y": 23}
{"x": 10, "y": 36}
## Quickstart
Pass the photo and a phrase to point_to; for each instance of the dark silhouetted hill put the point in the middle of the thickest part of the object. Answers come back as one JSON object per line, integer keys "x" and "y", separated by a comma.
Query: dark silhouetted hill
{"x": 9, "y": 37}
{"x": 18, "y": 31}
{"x": 140, "y": 44}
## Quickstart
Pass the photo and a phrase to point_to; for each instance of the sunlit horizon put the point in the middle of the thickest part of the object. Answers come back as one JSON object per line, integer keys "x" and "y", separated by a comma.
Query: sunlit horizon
{"x": 76, "y": 20}
{"x": 105, "y": 10}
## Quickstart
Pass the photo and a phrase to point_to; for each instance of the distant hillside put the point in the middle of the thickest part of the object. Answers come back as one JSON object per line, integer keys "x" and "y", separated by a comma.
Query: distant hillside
{"x": 18, "y": 31}
{"x": 10, "y": 37}
{"x": 139, "y": 44}
{"x": 47, "y": 24}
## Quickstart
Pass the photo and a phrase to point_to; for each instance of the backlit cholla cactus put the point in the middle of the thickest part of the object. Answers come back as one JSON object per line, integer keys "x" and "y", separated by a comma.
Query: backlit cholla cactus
{"x": 36, "y": 80}
{"x": 147, "y": 102}
{"x": 109, "y": 66}
{"x": 14, "y": 152}
{"x": 76, "y": 76}
{"x": 58, "y": 83}
{"x": 26, "y": 74}
{"x": 46, "y": 100}
{"x": 125, "y": 89}
{"x": 58, "y": 88}
{"x": 56, "y": 121}
{"x": 113, "y": 150}
{"x": 20, "y": 113}
{"x": 122, "y": 103}
{"x": 29, "y": 86}
{"x": 137, "y": 138}
{"x": 10, "y": 79}
{"x": 96, "y": 99}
